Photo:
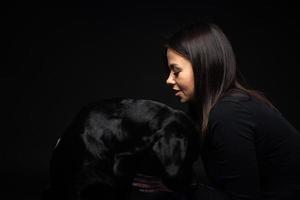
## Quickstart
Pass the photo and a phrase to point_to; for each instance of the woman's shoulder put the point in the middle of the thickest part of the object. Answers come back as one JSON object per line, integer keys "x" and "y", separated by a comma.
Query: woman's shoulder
{"x": 241, "y": 105}
{"x": 236, "y": 97}
{"x": 230, "y": 104}
{"x": 231, "y": 117}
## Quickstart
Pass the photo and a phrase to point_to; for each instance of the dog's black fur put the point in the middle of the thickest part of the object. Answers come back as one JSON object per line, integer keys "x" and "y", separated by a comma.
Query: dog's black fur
{"x": 111, "y": 140}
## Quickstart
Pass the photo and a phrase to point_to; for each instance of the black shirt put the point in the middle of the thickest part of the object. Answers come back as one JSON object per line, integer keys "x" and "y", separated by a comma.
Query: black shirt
{"x": 251, "y": 151}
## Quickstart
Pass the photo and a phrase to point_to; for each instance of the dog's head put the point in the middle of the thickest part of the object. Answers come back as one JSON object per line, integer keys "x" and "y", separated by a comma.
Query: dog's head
{"x": 177, "y": 149}
{"x": 164, "y": 136}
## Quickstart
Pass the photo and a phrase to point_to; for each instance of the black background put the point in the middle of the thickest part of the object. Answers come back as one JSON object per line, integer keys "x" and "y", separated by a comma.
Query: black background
{"x": 55, "y": 59}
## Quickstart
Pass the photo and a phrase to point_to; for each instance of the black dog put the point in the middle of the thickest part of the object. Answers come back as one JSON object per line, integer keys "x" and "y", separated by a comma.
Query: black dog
{"x": 112, "y": 140}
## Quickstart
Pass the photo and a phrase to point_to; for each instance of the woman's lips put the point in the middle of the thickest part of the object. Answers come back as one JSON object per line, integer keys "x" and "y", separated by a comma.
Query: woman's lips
{"x": 177, "y": 93}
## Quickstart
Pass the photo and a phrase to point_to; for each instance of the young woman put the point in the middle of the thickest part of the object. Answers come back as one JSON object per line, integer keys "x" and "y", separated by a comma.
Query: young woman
{"x": 250, "y": 150}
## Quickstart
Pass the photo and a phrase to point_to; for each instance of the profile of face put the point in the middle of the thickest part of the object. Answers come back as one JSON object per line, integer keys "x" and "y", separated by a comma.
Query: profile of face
{"x": 181, "y": 77}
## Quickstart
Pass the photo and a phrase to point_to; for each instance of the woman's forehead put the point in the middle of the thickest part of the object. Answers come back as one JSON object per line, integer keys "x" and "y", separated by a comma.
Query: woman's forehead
{"x": 175, "y": 59}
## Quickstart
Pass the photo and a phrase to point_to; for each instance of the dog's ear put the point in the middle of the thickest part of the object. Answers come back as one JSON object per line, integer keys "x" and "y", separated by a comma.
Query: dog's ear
{"x": 171, "y": 148}
{"x": 178, "y": 145}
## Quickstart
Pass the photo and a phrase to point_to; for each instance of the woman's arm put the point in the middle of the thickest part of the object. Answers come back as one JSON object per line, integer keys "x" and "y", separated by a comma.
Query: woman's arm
{"x": 231, "y": 160}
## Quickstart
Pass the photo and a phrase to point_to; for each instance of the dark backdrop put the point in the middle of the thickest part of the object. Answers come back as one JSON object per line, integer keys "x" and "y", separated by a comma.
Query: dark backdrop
{"x": 55, "y": 60}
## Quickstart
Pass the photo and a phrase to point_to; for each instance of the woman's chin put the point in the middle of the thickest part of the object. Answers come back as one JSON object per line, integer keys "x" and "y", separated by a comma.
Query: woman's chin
{"x": 183, "y": 100}
{"x": 182, "y": 97}
{"x": 186, "y": 99}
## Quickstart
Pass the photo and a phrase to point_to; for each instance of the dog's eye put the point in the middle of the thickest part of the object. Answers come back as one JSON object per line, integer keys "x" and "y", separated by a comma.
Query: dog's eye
{"x": 106, "y": 134}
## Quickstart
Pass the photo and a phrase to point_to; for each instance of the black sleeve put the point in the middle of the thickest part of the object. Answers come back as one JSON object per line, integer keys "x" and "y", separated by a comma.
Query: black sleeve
{"x": 231, "y": 161}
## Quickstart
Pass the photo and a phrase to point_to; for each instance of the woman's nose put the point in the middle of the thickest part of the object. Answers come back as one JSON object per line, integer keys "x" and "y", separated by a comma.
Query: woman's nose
{"x": 170, "y": 80}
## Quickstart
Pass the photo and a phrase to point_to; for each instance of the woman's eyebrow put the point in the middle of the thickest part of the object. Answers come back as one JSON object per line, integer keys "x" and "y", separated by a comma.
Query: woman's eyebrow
{"x": 173, "y": 66}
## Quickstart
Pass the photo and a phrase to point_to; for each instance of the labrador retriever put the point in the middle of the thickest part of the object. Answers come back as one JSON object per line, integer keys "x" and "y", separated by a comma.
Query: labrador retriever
{"x": 112, "y": 140}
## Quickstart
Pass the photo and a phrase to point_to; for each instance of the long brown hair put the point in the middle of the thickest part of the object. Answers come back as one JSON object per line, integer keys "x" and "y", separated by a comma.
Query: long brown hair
{"x": 216, "y": 74}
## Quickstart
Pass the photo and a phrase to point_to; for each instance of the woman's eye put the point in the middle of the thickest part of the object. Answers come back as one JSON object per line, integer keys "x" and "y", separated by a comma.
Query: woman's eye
{"x": 176, "y": 73}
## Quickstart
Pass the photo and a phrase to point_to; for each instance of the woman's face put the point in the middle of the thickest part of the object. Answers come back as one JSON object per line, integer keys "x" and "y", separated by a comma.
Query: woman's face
{"x": 181, "y": 77}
